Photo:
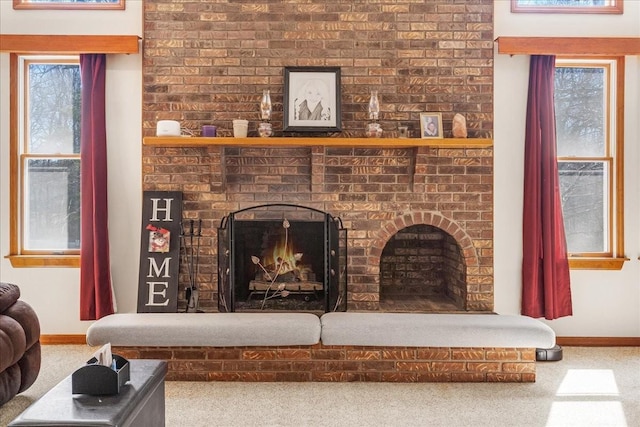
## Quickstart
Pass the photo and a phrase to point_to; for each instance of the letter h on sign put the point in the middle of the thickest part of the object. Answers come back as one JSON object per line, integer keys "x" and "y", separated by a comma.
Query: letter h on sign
{"x": 160, "y": 252}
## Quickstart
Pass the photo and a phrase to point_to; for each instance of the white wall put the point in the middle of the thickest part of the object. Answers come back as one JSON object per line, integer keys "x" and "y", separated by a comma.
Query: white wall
{"x": 54, "y": 292}
{"x": 605, "y": 303}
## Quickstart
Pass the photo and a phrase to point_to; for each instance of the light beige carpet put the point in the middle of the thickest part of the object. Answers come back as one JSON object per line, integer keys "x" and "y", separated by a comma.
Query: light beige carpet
{"x": 590, "y": 387}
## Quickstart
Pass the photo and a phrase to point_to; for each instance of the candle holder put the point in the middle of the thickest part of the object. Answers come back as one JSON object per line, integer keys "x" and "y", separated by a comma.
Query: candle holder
{"x": 265, "y": 105}
{"x": 265, "y": 129}
{"x": 374, "y": 130}
{"x": 374, "y": 106}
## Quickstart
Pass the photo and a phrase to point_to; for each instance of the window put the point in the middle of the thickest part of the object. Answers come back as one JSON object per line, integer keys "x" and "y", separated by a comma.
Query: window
{"x": 68, "y": 4}
{"x": 46, "y": 148}
{"x": 589, "y": 149}
{"x": 567, "y": 6}
{"x": 47, "y": 173}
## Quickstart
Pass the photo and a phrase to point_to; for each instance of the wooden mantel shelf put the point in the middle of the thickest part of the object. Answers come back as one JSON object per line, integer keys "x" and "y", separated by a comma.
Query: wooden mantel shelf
{"x": 164, "y": 141}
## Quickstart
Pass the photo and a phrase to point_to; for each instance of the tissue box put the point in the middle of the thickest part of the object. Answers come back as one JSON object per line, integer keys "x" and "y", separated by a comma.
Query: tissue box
{"x": 95, "y": 379}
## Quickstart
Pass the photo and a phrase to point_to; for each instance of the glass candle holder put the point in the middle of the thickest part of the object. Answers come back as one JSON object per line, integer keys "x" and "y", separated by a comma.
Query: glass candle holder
{"x": 265, "y": 105}
{"x": 265, "y": 130}
{"x": 209, "y": 130}
{"x": 374, "y": 105}
{"x": 374, "y": 130}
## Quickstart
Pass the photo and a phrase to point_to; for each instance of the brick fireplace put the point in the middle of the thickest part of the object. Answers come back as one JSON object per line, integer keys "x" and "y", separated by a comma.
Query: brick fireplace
{"x": 382, "y": 195}
{"x": 282, "y": 257}
{"x": 207, "y": 62}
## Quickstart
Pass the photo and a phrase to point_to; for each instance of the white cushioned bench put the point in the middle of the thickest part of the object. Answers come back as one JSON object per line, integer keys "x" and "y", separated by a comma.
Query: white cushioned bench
{"x": 205, "y": 329}
{"x": 351, "y": 346}
{"x": 434, "y": 330}
{"x": 348, "y": 328}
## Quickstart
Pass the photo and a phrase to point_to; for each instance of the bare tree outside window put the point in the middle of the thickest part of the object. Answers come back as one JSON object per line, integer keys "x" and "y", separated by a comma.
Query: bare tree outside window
{"x": 68, "y": 4}
{"x": 580, "y": 111}
{"x": 51, "y": 156}
{"x": 568, "y": 3}
{"x": 584, "y": 158}
{"x": 567, "y": 6}
{"x": 54, "y": 108}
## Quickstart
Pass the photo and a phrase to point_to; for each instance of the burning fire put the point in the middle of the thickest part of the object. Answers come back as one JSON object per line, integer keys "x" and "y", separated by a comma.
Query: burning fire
{"x": 283, "y": 258}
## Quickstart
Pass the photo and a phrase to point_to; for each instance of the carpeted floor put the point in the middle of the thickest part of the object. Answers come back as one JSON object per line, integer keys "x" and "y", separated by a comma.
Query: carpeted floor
{"x": 590, "y": 387}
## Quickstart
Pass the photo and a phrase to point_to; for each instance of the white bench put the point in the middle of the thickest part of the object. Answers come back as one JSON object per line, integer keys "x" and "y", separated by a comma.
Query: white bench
{"x": 435, "y": 330}
{"x": 205, "y": 329}
{"x": 348, "y": 328}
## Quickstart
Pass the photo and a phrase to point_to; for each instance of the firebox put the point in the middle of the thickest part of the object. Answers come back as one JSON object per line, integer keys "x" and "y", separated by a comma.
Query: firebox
{"x": 281, "y": 257}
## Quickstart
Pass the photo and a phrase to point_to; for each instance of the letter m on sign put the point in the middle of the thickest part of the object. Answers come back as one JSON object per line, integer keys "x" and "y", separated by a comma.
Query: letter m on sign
{"x": 159, "y": 252}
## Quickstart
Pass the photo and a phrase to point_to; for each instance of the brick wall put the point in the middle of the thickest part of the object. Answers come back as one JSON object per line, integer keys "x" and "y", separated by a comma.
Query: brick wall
{"x": 208, "y": 61}
{"x": 342, "y": 363}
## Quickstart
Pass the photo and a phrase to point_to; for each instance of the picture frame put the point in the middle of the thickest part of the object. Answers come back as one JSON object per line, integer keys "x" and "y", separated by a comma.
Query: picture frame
{"x": 68, "y": 5}
{"x": 431, "y": 125}
{"x": 552, "y": 6}
{"x": 311, "y": 99}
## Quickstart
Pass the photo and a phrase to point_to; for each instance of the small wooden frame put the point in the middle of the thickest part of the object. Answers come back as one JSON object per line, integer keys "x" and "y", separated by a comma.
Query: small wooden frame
{"x": 431, "y": 125}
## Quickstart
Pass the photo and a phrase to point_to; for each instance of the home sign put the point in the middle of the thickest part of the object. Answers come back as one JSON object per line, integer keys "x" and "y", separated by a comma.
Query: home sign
{"x": 160, "y": 252}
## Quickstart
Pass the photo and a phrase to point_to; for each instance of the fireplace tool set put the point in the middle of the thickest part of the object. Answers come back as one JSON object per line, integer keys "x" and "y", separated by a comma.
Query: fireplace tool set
{"x": 190, "y": 234}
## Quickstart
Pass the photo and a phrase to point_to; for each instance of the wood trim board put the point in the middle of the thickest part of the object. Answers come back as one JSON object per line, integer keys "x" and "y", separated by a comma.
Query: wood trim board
{"x": 563, "y": 341}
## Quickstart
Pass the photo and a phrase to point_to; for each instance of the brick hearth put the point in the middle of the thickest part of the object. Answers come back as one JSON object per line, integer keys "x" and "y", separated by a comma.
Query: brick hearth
{"x": 342, "y": 363}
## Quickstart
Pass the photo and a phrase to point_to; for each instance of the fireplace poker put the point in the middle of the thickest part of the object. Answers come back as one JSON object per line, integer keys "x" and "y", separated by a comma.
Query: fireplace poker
{"x": 191, "y": 301}
{"x": 199, "y": 235}
{"x": 183, "y": 246}
{"x": 192, "y": 258}
{"x": 191, "y": 254}
{"x": 192, "y": 305}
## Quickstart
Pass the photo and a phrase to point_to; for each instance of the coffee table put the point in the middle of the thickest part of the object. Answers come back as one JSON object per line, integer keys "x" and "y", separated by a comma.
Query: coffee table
{"x": 139, "y": 403}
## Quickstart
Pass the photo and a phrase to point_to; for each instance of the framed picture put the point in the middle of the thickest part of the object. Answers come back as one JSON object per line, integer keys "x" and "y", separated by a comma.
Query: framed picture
{"x": 311, "y": 101}
{"x": 68, "y": 4}
{"x": 574, "y": 6}
{"x": 431, "y": 125}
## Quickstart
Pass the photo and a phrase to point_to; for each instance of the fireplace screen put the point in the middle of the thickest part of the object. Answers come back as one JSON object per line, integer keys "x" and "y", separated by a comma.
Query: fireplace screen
{"x": 281, "y": 257}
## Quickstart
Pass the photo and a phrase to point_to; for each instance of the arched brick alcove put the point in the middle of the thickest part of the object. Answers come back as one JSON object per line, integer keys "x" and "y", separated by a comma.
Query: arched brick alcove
{"x": 422, "y": 268}
{"x": 453, "y": 245}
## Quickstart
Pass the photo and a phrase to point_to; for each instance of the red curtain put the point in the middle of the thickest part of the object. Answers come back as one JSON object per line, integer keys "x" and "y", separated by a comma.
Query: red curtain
{"x": 96, "y": 293}
{"x": 546, "y": 290}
